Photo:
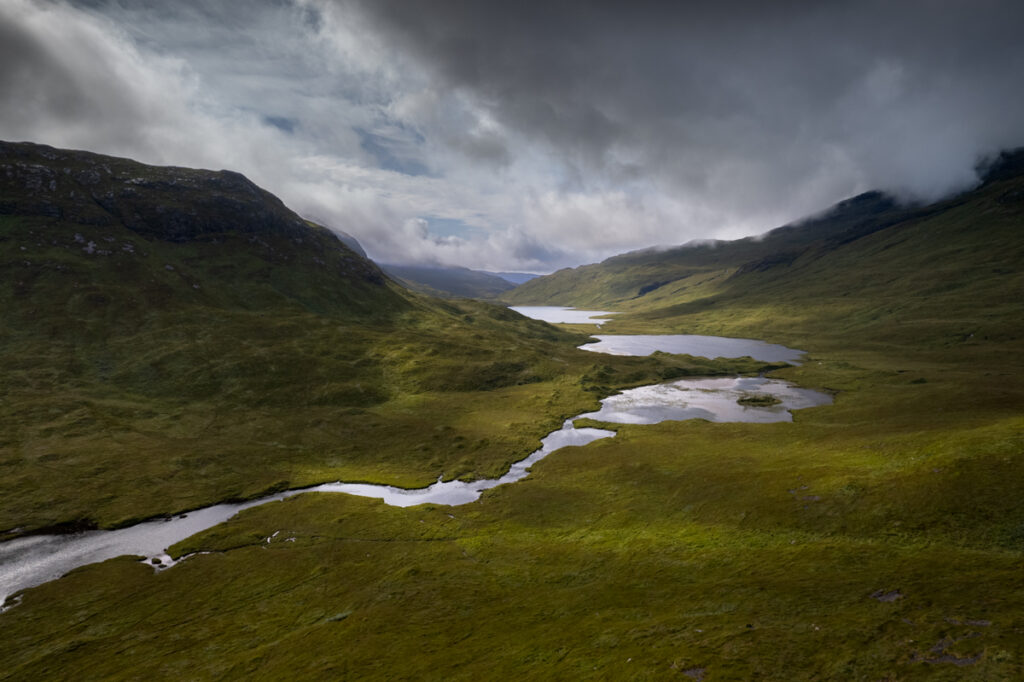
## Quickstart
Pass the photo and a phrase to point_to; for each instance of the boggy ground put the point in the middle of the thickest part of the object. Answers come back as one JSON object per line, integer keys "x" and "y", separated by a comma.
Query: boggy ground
{"x": 877, "y": 538}
{"x": 295, "y": 400}
{"x": 172, "y": 338}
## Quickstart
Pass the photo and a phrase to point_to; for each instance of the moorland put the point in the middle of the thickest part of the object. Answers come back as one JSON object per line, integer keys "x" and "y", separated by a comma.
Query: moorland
{"x": 879, "y": 537}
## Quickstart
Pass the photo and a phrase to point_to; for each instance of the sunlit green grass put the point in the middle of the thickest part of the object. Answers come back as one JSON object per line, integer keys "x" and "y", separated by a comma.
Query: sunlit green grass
{"x": 877, "y": 538}
{"x": 745, "y": 550}
{"x": 130, "y": 393}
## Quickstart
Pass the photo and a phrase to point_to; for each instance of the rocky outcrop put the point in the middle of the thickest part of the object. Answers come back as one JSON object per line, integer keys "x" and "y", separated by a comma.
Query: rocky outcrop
{"x": 170, "y": 204}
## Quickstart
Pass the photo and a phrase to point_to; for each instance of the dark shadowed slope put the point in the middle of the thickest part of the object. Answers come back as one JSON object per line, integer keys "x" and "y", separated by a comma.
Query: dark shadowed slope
{"x": 877, "y": 538}
{"x": 175, "y": 337}
{"x": 449, "y": 281}
{"x": 516, "y": 278}
{"x": 239, "y": 245}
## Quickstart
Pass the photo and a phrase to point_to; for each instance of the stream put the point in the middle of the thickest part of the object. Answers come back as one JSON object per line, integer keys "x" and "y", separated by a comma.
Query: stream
{"x": 35, "y": 559}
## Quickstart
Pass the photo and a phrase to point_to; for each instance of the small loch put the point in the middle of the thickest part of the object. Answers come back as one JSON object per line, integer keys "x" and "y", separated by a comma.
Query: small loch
{"x": 32, "y": 560}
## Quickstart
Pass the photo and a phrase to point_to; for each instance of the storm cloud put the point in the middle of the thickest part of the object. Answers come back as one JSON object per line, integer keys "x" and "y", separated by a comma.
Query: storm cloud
{"x": 554, "y": 133}
{"x": 747, "y": 98}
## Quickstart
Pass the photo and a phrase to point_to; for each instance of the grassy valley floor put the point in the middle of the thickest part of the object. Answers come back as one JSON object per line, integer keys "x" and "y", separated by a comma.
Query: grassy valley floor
{"x": 878, "y": 538}
{"x": 173, "y": 338}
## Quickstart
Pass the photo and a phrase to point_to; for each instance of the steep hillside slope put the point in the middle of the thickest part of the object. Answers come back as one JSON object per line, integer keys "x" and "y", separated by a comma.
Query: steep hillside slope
{"x": 632, "y": 276}
{"x": 230, "y": 235}
{"x": 877, "y": 538}
{"x": 174, "y": 337}
{"x": 868, "y": 262}
{"x": 946, "y": 276}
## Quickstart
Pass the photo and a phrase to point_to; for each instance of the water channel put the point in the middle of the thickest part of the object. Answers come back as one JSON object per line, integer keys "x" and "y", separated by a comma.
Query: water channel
{"x": 32, "y": 560}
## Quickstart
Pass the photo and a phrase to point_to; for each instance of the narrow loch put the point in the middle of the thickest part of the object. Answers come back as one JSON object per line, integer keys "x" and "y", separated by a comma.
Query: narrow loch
{"x": 645, "y": 344}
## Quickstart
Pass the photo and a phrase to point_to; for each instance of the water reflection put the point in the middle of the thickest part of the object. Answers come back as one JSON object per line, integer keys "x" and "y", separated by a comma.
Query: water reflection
{"x": 692, "y": 344}
{"x": 557, "y": 314}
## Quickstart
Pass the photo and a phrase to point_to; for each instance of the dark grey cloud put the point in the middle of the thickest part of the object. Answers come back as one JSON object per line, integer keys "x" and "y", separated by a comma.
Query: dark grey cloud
{"x": 758, "y": 97}
{"x": 528, "y": 135}
{"x": 26, "y": 60}
{"x": 56, "y": 77}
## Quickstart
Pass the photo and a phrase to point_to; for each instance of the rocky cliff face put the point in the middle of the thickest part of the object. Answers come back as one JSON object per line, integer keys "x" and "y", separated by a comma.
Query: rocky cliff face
{"x": 58, "y": 203}
{"x": 173, "y": 204}
{"x": 167, "y": 204}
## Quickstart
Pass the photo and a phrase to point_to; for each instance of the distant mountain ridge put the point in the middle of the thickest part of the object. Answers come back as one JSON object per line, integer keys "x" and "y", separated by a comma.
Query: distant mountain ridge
{"x": 350, "y": 241}
{"x": 514, "y": 277}
{"x": 637, "y": 273}
{"x": 621, "y": 279}
{"x": 951, "y": 264}
{"x": 95, "y": 190}
{"x": 175, "y": 337}
{"x": 448, "y": 281}
{"x": 114, "y": 202}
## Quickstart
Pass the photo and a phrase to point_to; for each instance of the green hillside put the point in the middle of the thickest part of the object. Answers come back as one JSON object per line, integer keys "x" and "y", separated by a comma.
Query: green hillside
{"x": 172, "y": 338}
{"x": 632, "y": 276}
{"x": 878, "y": 538}
{"x": 868, "y": 266}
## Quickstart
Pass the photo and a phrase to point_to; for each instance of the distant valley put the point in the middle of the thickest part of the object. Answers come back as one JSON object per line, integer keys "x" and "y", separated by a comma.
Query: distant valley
{"x": 456, "y": 282}
{"x": 177, "y": 337}
{"x": 174, "y": 338}
{"x": 867, "y": 266}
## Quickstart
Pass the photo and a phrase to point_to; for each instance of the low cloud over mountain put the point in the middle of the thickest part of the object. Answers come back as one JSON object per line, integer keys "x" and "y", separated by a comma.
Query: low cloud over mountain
{"x": 529, "y": 136}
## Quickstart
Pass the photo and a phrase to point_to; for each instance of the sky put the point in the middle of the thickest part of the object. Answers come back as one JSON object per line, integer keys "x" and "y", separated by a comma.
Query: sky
{"x": 529, "y": 136}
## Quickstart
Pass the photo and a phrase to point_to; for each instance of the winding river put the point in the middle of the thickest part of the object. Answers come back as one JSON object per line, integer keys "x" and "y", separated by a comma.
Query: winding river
{"x": 32, "y": 560}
